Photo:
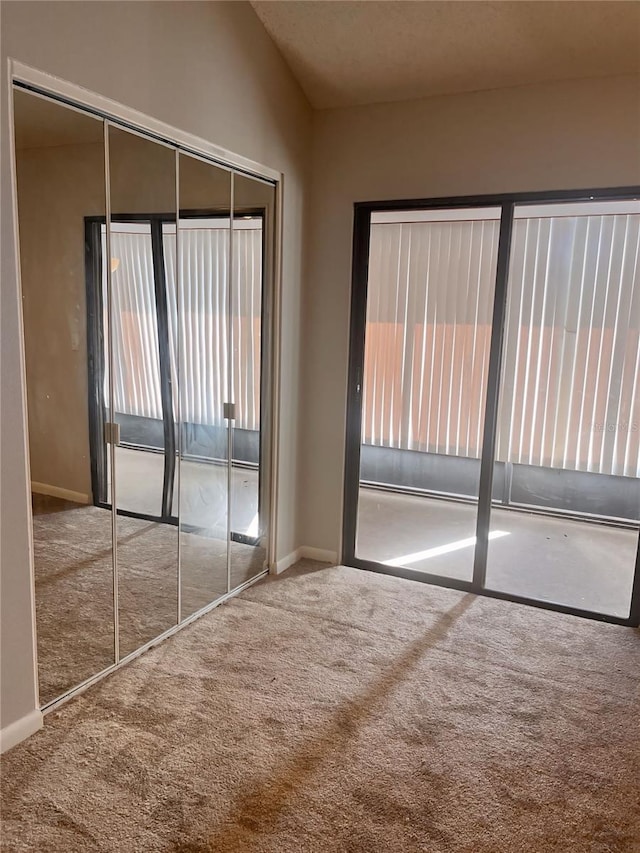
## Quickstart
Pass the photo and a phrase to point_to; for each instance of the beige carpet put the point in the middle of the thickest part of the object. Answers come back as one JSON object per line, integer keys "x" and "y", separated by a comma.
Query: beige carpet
{"x": 334, "y": 710}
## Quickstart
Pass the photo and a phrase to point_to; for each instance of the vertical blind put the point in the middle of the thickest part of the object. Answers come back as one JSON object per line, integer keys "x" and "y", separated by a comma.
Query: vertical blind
{"x": 198, "y": 312}
{"x": 136, "y": 381}
{"x": 429, "y": 306}
{"x": 569, "y": 395}
{"x": 569, "y": 392}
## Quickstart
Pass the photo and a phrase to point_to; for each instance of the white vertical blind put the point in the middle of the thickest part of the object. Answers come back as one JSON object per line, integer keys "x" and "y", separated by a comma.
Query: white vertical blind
{"x": 430, "y": 300}
{"x": 247, "y": 321}
{"x": 569, "y": 395}
{"x": 570, "y": 370}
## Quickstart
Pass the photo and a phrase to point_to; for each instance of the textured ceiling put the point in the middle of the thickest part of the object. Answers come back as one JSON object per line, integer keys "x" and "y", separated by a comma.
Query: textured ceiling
{"x": 348, "y": 53}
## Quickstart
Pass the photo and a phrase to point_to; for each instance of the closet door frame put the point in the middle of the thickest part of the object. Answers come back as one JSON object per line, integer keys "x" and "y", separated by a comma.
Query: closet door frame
{"x": 26, "y": 78}
{"x": 353, "y": 433}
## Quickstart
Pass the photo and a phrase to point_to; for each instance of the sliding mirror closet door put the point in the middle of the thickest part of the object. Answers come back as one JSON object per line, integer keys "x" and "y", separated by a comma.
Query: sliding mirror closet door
{"x": 252, "y": 275}
{"x": 141, "y": 383}
{"x": 203, "y": 299}
{"x": 61, "y": 186}
{"x": 428, "y": 303}
{"x": 568, "y": 449}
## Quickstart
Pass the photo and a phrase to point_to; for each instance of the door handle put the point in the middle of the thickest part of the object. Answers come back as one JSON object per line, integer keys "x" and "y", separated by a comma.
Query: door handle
{"x": 111, "y": 433}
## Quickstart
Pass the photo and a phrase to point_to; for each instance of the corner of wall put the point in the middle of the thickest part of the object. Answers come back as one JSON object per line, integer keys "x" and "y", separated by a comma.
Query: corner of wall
{"x": 305, "y": 552}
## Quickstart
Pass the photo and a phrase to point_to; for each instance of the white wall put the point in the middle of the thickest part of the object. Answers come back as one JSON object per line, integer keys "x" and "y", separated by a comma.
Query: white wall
{"x": 206, "y": 68}
{"x": 554, "y": 136}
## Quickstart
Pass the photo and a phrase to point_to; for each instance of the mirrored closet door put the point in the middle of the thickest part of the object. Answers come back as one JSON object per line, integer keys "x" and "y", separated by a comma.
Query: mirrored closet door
{"x": 203, "y": 300}
{"x": 60, "y": 170}
{"x": 146, "y": 275}
{"x": 142, "y": 179}
{"x": 252, "y": 275}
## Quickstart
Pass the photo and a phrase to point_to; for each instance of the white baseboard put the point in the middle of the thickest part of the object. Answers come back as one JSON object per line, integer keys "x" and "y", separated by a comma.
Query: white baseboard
{"x": 305, "y": 552}
{"x": 319, "y": 554}
{"x": 285, "y": 563}
{"x": 23, "y": 728}
{"x": 57, "y": 492}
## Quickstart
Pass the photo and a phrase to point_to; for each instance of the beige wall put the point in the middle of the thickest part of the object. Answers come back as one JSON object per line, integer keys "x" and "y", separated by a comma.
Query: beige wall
{"x": 554, "y": 136}
{"x": 206, "y": 68}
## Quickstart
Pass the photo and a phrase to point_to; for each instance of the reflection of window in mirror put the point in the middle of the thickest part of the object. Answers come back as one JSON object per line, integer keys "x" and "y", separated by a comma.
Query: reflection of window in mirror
{"x": 138, "y": 325}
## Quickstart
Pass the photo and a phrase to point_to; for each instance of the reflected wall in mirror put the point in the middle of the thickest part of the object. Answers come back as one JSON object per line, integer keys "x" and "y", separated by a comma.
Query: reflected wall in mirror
{"x": 203, "y": 306}
{"x": 60, "y": 181}
{"x": 252, "y": 272}
{"x": 141, "y": 386}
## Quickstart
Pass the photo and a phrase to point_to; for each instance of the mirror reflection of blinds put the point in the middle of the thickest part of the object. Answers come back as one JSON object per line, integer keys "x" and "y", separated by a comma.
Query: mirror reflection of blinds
{"x": 203, "y": 302}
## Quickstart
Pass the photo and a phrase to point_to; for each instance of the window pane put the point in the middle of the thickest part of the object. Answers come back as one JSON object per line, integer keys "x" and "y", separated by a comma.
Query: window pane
{"x": 428, "y": 331}
{"x": 569, "y": 422}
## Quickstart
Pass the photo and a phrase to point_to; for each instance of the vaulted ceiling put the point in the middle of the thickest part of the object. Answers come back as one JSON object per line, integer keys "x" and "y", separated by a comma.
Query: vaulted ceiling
{"x": 349, "y": 53}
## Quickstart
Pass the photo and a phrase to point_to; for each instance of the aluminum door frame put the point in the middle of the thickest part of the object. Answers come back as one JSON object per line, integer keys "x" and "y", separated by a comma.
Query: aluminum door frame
{"x": 359, "y": 284}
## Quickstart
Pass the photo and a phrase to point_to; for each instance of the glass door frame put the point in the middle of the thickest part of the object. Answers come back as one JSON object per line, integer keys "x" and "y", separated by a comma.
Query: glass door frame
{"x": 353, "y": 436}
{"x": 96, "y": 362}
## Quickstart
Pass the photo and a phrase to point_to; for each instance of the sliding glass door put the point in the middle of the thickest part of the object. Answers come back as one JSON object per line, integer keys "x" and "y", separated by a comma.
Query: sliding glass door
{"x": 567, "y": 461}
{"x": 142, "y": 406}
{"x": 430, "y": 296}
{"x": 494, "y": 417}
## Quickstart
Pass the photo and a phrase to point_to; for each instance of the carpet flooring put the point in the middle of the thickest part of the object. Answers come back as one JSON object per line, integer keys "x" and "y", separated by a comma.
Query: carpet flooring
{"x": 339, "y": 711}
